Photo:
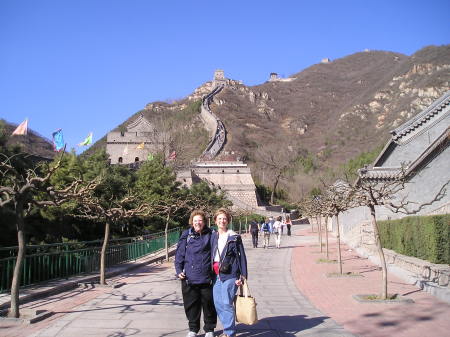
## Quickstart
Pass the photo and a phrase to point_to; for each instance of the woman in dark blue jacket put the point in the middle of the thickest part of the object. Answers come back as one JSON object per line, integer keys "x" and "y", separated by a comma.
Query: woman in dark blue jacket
{"x": 230, "y": 266}
{"x": 193, "y": 267}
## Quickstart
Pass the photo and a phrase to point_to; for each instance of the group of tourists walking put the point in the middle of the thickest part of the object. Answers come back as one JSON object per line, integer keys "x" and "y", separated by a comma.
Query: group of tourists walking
{"x": 211, "y": 265}
{"x": 270, "y": 226}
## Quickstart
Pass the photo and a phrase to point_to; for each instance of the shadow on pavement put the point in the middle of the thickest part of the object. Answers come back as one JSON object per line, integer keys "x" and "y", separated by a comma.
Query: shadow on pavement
{"x": 286, "y": 325}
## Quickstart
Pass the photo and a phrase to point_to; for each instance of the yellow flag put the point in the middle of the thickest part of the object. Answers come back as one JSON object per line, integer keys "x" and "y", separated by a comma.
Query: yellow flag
{"x": 140, "y": 146}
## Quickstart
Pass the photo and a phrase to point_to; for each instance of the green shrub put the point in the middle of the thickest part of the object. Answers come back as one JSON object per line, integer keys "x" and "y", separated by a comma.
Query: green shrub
{"x": 424, "y": 237}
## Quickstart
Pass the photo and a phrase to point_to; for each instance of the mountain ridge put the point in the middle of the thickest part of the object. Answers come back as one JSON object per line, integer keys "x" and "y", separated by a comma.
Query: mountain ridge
{"x": 332, "y": 112}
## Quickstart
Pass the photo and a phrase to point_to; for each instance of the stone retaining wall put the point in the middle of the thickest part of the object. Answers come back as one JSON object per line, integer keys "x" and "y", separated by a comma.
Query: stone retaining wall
{"x": 357, "y": 232}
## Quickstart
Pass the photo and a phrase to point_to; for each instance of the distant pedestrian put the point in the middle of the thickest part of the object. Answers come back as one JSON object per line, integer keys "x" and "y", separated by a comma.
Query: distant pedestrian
{"x": 254, "y": 229}
{"x": 277, "y": 227}
{"x": 266, "y": 229}
{"x": 288, "y": 224}
{"x": 193, "y": 268}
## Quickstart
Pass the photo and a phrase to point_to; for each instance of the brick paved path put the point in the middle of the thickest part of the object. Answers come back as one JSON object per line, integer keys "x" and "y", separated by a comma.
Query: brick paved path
{"x": 150, "y": 304}
{"x": 427, "y": 317}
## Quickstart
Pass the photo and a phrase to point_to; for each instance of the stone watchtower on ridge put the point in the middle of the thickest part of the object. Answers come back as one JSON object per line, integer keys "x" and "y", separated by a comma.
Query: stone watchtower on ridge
{"x": 219, "y": 78}
{"x": 133, "y": 144}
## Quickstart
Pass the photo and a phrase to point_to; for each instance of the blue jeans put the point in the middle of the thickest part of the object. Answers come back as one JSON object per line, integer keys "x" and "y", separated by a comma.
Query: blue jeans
{"x": 223, "y": 293}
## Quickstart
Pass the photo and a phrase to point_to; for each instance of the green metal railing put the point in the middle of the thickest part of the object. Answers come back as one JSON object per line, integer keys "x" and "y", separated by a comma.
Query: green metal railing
{"x": 47, "y": 262}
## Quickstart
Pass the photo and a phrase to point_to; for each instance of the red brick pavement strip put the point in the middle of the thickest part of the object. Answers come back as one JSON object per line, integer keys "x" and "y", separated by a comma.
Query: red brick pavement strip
{"x": 67, "y": 302}
{"x": 427, "y": 317}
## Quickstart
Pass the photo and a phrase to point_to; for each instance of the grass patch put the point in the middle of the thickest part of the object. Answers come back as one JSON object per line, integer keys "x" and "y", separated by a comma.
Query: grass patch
{"x": 347, "y": 274}
{"x": 376, "y": 298}
{"x": 323, "y": 260}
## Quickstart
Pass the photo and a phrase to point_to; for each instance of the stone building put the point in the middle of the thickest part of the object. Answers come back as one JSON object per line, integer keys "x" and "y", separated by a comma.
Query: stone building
{"x": 234, "y": 178}
{"x": 219, "y": 78}
{"x": 231, "y": 176}
{"x": 134, "y": 144}
{"x": 421, "y": 145}
{"x": 273, "y": 77}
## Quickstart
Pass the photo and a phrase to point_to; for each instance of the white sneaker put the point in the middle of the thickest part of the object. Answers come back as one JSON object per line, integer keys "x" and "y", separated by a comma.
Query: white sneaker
{"x": 191, "y": 334}
{"x": 209, "y": 334}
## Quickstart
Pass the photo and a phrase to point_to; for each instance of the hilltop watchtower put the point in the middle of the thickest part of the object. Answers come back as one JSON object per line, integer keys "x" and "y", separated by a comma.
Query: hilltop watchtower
{"x": 219, "y": 78}
{"x": 273, "y": 77}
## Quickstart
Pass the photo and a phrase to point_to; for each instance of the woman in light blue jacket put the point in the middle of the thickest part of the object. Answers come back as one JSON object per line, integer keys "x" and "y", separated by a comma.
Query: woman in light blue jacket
{"x": 230, "y": 266}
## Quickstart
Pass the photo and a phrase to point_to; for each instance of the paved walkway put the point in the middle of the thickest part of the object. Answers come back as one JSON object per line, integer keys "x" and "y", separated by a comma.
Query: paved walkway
{"x": 427, "y": 317}
{"x": 150, "y": 304}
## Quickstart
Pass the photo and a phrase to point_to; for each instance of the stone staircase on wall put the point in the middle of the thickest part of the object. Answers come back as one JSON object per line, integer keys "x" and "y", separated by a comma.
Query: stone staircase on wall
{"x": 243, "y": 191}
{"x": 214, "y": 125}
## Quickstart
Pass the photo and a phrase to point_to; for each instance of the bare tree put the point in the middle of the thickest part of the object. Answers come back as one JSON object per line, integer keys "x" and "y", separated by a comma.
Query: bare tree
{"x": 339, "y": 199}
{"x": 170, "y": 207}
{"x": 307, "y": 208}
{"x": 373, "y": 192}
{"x": 111, "y": 212}
{"x": 26, "y": 190}
{"x": 279, "y": 162}
{"x": 312, "y": 208}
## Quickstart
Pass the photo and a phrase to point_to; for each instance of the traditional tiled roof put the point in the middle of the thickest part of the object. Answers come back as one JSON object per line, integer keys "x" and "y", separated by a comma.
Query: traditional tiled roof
{"x": 380, "y": 173}
{"x": 429, "y": 114}
{"x": 388, "y": 173}
{"x": 442, "y": 140}
{"x": 139, "y": 120}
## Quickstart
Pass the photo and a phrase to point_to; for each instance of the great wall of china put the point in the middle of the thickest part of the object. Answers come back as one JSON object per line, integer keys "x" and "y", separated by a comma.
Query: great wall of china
{"x": 232, "y": 177}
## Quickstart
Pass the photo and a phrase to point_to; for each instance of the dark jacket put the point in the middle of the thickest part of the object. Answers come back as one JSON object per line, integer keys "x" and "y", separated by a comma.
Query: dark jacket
{"x": 233, "y": 253}
{"x": 193, "y": 256}
{"x": 254, "y": 228}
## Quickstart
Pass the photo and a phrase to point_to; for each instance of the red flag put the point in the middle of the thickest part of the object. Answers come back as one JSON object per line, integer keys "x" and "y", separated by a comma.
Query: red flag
{"x": 172, "y": 156}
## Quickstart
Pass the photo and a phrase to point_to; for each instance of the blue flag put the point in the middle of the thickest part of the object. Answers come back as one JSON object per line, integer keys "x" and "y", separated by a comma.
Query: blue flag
{"x": 58, "y": 140}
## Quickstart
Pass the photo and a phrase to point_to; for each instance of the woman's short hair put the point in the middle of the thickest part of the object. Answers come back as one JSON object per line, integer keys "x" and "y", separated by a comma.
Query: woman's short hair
{"x": 223, "y": 211}
{"x": 197, "y": 212}
{"x": 279, "y": 218}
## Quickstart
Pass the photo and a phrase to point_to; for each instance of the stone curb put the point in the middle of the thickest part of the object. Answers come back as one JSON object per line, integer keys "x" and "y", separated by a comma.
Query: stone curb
{"x": 39, "y": 316}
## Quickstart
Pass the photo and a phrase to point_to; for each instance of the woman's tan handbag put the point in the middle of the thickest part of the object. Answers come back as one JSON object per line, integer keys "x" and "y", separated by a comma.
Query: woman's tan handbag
{"x": 245, "y": 306}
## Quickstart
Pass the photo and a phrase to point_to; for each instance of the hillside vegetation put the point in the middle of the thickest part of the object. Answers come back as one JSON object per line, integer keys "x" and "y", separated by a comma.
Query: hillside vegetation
{"x": 329, "y": 119}
{"x": 331, "y": 113}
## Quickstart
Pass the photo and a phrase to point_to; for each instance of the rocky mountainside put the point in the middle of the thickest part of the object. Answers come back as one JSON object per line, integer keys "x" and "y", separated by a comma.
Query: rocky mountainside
{"x": 331, "y": 111}
{"x": 322, "y": 116}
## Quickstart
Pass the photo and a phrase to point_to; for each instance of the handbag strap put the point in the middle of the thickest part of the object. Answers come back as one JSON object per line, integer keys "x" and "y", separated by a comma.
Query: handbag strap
{"x": 218, "y": 251}
{"x": 243, "y": 289}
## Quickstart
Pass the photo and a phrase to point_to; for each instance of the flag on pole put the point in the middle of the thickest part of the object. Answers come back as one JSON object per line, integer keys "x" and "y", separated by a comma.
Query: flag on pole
{"x": 22, "y": 129}
{"x": 58, "y": 140}
{"x": 150, "y": 157}
{"x": 172, "y": 156}
{"x": 140, "y": 146}
{"x": 87, "y": 141}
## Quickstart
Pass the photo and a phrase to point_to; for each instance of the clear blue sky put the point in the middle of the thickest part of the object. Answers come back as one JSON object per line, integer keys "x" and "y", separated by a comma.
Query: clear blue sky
{"x": 87, "y": 65}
